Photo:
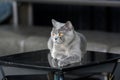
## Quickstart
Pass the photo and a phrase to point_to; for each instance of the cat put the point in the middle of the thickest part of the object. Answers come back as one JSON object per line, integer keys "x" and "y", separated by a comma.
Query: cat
{"x": 65, "y": 44}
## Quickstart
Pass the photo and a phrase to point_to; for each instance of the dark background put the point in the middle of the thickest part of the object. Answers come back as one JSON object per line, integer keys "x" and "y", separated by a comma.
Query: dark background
{"x": 83, "y": 17}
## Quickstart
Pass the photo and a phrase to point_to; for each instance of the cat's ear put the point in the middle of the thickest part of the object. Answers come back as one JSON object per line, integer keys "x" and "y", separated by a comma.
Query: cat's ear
{"x": 54, "y": 22}
{"x": 57, "y": 24}
{"x": 69, "y": 25}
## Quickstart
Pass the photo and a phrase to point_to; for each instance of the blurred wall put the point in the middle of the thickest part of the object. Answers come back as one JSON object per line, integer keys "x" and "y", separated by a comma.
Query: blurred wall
{"x": 82, "y": 17}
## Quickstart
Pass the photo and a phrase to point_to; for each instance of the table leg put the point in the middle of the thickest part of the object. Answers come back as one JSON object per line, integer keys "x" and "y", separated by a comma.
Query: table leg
{"x": 2, "y": 75}
{"x": 59, "y": 76}
{"x": 117, "y": 72}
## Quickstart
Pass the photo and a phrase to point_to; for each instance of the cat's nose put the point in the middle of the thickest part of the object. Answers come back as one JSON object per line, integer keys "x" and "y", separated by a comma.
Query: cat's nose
{"x": 55, "y": 38}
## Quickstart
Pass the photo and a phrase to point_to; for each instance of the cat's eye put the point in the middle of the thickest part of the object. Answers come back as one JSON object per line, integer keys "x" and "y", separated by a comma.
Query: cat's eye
{"x": 53, "y": 34}
{"x": 60, "y": 34}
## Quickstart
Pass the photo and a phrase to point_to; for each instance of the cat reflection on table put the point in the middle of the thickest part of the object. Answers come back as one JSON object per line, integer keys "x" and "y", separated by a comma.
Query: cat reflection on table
{"x": 67, "y": 47}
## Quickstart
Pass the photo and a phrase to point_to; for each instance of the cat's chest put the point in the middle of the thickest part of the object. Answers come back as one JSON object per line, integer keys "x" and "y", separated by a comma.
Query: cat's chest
{"x": 60, "y": 47}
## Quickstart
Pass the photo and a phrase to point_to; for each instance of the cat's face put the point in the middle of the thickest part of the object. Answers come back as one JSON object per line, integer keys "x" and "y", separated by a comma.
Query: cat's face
{"x": 61, "y": 32}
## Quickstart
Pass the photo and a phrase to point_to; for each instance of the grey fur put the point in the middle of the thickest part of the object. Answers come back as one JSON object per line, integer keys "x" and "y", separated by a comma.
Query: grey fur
{"x": 68, "y": 49}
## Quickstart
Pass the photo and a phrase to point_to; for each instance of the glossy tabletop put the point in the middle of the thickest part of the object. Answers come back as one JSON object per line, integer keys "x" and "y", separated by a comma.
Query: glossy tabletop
{"x": 94, "y": 62}
{"x": 38, "y": 60}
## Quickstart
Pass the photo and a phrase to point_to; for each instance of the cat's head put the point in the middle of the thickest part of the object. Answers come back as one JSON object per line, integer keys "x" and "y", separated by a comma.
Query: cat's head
{"x": 61, "y": 32}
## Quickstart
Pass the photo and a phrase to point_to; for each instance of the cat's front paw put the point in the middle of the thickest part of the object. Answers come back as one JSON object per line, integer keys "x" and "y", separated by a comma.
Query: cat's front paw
{"x": 63, "y": 63}
{"x": 54, "y": 62}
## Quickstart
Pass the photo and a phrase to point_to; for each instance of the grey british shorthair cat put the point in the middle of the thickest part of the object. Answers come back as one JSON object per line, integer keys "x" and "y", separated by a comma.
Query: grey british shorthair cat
{"x": 66, "y": 45}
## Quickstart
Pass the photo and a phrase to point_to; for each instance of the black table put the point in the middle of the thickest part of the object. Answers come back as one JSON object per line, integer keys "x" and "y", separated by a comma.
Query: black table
{"x": 36, "y": 62}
